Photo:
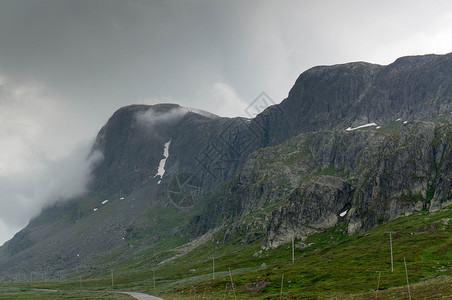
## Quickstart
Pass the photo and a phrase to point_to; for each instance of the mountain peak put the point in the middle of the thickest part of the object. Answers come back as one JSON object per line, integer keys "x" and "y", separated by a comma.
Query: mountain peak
{"x": 171, "y": 172}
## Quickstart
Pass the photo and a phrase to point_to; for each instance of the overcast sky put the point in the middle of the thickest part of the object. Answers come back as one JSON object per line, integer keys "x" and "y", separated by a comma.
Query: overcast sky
{"x": 67, "y": 65}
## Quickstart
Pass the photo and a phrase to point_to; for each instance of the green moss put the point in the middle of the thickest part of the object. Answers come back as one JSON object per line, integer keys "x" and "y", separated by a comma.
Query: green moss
{"x": 330, "y": 170}
{"x": 393, "y": 126}
{"x": 436, "y": 141}
{"x": 294, "y": 158}
{"x": 430, "y": 192}
{"x": 411, "y": 198}
{"x": 442, "y": 119}
{"x": 380, "y": 219}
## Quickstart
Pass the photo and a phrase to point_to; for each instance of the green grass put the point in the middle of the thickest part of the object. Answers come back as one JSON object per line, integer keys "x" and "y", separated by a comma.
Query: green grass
{"x": 442, "y": 119}
{"x": 393, "y": 126}
{"x": 335, "y": 265}
{"x": 330, "y": 171}
{"x": 438, "y": 288}
{"x": 343, "y": 265}
{"x": 27, "y": 294}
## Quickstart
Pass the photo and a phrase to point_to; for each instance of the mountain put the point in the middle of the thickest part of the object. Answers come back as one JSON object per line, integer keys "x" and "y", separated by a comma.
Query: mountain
{"x": 357, "y": 143}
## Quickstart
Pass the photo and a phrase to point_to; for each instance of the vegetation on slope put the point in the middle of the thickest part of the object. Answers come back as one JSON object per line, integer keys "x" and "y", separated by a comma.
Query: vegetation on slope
{"x": 328, "y": 264}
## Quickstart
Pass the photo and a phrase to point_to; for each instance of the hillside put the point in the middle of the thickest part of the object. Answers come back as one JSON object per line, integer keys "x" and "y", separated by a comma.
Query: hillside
{"x": 329, "y": 264}
{"x": 353, "y": 146}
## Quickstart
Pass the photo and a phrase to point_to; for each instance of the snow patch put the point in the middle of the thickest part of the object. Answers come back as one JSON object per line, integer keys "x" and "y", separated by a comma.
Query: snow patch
{"x": 105, "y": 201}
{"x": 378, "y": 127}
{"x": 342, "y": 214}
{"x": 122, "y": 198}
{"x": 398, "y": 119}
{"x": 362, "y": 126}
{"x": 95, "y": 209}
{"x": 161, "y": 169}
{"x": 405, "y": 122}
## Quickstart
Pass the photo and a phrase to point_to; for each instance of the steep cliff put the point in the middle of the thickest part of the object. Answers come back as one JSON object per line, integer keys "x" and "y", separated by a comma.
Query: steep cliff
{"x": 359, "y": 178}
{"x": 353, "y": 145}
{"x": 336, "y": 97}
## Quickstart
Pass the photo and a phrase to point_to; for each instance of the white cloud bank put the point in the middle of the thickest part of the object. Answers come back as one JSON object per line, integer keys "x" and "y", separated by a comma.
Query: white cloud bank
{"x": 150, "y": 118}
{"x": 223, "y": 101}
{"x": 25, "y": 193}
{"x": 212, "y": 55}
{"x": 38, "y": 163}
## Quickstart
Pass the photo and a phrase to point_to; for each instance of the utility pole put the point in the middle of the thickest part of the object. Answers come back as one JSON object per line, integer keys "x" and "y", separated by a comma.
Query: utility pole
{"x": 232, "y": 283}
{"x": 378, "y": 285}
{"x": 390, "y": 244}
{"x": 282, "y": 283}
{"x": 213, "y": 268}
{"x": 407, "y": 283}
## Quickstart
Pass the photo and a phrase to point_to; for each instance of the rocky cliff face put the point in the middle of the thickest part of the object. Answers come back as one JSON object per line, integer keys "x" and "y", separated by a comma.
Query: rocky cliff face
{"x": 336, "y": 97}
{"x": 316, "y": 205}
{"x": 323, "y": 98}
{"x": 132, "y": 144}
{"x": 291, "y": 171}
{"x": 359, "y": 179}
{"x": 207, "y": 147}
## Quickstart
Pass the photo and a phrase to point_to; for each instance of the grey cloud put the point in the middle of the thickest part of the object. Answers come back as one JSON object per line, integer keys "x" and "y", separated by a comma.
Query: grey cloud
{"x": 106, "y": 54}
{"x": 150, "y": 117}
{"x": 66, "y": 66}
{"x": 24, "y": 194}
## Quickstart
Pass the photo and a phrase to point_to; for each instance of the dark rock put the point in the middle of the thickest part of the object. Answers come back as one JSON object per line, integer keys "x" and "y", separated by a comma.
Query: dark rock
{"x": 290, "y": 171}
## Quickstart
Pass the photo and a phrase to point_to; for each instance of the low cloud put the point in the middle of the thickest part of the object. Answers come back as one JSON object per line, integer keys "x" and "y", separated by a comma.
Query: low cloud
{"x": 39, "y": 165}
{"x": 224, "y": 101}
{"x": 24, "y": 194}
{"x": 106, "y": 56}
{"x": 151, "y": 117}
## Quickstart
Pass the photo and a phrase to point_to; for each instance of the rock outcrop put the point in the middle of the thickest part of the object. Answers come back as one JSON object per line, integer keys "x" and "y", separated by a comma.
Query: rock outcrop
{"x": 353, "y": 145}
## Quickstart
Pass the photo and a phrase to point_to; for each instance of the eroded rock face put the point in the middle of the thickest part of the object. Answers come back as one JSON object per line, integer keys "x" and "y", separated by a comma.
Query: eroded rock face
{"x": 379, "y": 174}
{"x": 132, "y": 144}
{"x": 389, "y": 175}
{"x": 353, "y": 94}
{"x": 315, "y": 205}
{"x": 290, "y": 171}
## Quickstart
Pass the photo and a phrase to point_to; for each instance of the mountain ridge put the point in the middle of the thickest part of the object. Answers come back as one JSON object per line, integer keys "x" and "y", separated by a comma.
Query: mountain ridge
{"x": 266, "y": 178}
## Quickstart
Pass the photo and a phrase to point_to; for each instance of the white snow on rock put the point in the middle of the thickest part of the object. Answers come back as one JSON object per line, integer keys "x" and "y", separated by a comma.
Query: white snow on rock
{"x": 105, "y": 201}
{"x": 122, "y": 198}
{"x": 161, "y": 169}
{"x": 378, "y": 127}
{"x": 362, "y": 126}
{"x": 405, "y": 122}
{"x": 342, "y": 214}
{"x": 398, "y": 119}
{"x": 95, "y": 209}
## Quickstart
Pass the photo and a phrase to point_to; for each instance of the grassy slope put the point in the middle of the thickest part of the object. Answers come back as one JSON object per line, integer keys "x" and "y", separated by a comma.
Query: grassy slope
{"x": 335, "y": 266}
{"x": 351, "y": 265}
{"x": 27, "y": 294}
